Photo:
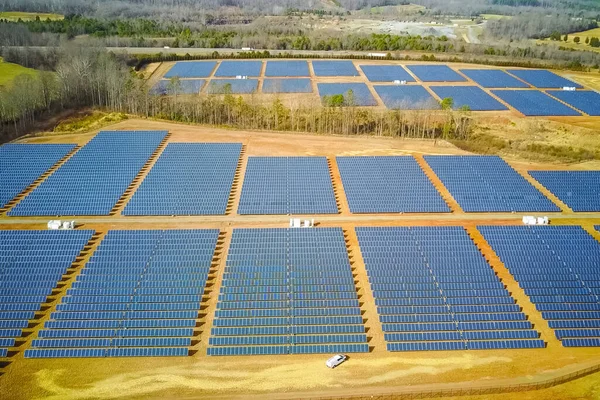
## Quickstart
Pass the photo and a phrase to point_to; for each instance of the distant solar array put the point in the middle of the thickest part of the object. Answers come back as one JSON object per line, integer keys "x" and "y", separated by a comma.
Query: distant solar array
{"x": 287, "y": 86}
{"x": 188, "y": 179}
{"x": 386, "y": 73}
{"x": 287, "y": 185}
{"x": 334, "y": 68}
{"x": 22, "y": 164}
{"x": 92, "y": 180}
{"x": 435, "y": 291}
{"x": 493, "y": 78}
{"x": 139, "y": 295}
{"x": 191, "y": 69}
{"x": 406, "y": 97}
{"x": 584, "y": 100}
{"x": 287, "y": 68}
{"x": 470, "y": 96}
{"x": 580, "y": 190}
{"x": 534, "y": 103}
{"x": 287, "y": 291}
{"x": 233, "y": 86}
{"x": 557, "y": 266}
{"x": 542, "y": 78}
{"x": 435, "y": 73}
{"x": 487, "y": 184}
{"x": 188, "y": 86}
{"x": 31, "y": 264}
{"x": 229, "y": 69}
{"x": 361, "y": 96}
{"x": 388, "y": 185}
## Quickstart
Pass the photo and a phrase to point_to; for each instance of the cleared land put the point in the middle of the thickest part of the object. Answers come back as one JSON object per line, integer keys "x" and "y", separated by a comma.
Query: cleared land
{"x": 26, "y": 16}
{"x": 9, "y": 71}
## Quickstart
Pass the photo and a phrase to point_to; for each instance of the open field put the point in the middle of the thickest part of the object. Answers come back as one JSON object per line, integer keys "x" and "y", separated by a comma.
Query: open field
{"x": 8, "y": 72}
{"x": 26, "y": 16}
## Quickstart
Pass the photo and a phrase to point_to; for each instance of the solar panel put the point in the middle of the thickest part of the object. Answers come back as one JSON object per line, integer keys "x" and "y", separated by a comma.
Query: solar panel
{"x": 584, "y": 100}
{"x": 188, "y": 86}
{"x": 472, "y": 97}
{"x": 435, "y": 73}
{"x": 334, "y": 68}
{"x": 238, "y": 68}
{"x": 191, "y": 69}
{"x": 386, "y": 73}
{"x": 287, "y": 68}
{"x": 233, "y": 86}
{"x": 388, "y": 184}
{"x": 411, "y": 97}
{"x": 487, "y": 184}
{"x": 542, "y": 78}
{"x": 287, "y": 86}
{"x": 93, "y": 180}
{"x": 534, "y": 103}
{"x": 493, "y": 78}
{"x": 577, "y": 189}
{"x": 355, "y": 94}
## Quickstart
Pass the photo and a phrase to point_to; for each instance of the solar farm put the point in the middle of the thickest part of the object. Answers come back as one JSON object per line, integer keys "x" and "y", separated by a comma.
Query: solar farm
{"x": 186, "y": 274}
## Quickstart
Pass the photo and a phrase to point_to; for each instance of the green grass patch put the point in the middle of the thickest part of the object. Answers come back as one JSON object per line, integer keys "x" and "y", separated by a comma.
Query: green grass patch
{"x": 93, "y": 120}
{"x": 8, "y": 72}
{"x": 481, "y": 144}
{"x": 25, "y": 16}
{"x": 494, "y": 16}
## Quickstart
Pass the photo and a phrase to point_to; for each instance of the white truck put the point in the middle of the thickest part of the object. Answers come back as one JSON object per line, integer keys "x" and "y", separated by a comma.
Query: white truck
{"x": 336, "y": 360}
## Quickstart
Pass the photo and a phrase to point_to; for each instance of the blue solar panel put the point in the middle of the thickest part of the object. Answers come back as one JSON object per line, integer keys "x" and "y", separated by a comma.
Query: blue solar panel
{"x": 187, "y": 86}
{"x": 287, "y": 185}
{"x": 234, "y": 68}
{"x": 542, "y": 78}
{"x": 534, "y": 103}
{"x": 487, "y": 184}
{"x": 584, "y": 100}
{"x": 388, "y": 184}
{"x": 493, "y": 78}
{"x": 580, "y": 190}
{"x": 188, "y": 179}
{"x": 471, "y": 96}
{"x": 435, "y": 73}
{"x": 22, "y": 164}
{"x": 287, "y": 68}
{"x": 234, "y": 86}
{"x": 92, "y": 181}
{"x": 386, "y": 73}
{"x": 287, "y": 86}
{"x": 334, "y": 68}
{"x": 405, "y": 97}
{"x": 361, "y": 96}
{"x": 156, "y": 323}
{"x": 191, "y": 69}
{"x": 438, "y": 313}
{"x": 549, "y": 262}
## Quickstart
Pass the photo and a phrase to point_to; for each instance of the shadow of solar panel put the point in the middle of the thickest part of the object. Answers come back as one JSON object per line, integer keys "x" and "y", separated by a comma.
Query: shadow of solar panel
{"x": 188, "y": 179}
{"x": 191, "y": 69}
{"x": 470, "y": 96}
{"x": 561, "y": 280}
{"x": 542, "y": 78}
{"x": 235, "y": 68}
{"x": 487, "y": 184}
{"x": 534, "y": 103}
{"x": 287, "y": 86}
{"x": 187, "y": 86}
{"x": 287, "y": 185}
{"x": 287, "y": 68}
{"x": 580, "y": 190}
{"x": 93, "y": 179}
{"x": 584, "y": 100}
{"x": 388, "y": 184}
{"x": 493, "y": 78}
{"x": 354, "y": 93}
{"x": 435, "y": 73}
{"x": 334, "y": 68}
{"x": 403, "y": 97}
{"x": 386, "y": 73}
{"x": 22, "y": 164}
{"x": 235, "y": 86}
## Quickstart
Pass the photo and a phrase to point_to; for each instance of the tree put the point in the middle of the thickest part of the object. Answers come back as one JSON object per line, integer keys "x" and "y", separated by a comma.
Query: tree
{"x": 576, "y": 39}
{"x": 587, "y": 40}
{"x": 566, "y": 38}
{"x": 447, "y": 103}
{"x": 595, "y": 42}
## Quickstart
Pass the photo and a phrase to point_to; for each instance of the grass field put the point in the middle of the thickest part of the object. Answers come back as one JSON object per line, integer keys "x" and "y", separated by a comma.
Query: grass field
{"x": 8, "y": 72}
{"x": 571, "y": 44}
{"x": 494, "y": 16}
{"x": 25, "y": 16}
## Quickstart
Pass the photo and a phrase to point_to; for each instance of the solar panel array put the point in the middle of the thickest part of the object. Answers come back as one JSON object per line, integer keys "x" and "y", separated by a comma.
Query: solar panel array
{"x": 471, "y": 96}
{"x": 92, "y": 181}
{"x": 435, "y": 73}
{"x": 386, "y": 73}
{"x": 534, "y": 103}
{"x": 487, "y": 184}
{"x": 404, "y": 97}
{"x": 580, "y": 190}
{"x": 287, "y": 291}
{"x": 188, "y": 86}
{"x": 435, "y": 291}
{"x": 229, "y": 69}
{"x": 361, "y": 96}
{"x": 139, "y": 295}
{"x": 287, "y": 86}
{"x": 22, "y": 164}
{"x": 233, "y": 86}
{"x": 388, "y": 184}
{"x": 287, "y": 185}
{"x": 584, "y": 100}
{"x": 542, "y": 78}
{"x": 557, "y": 266}
{"x": 31, "y": 264}
{"x": 493, "y": 78}
{"x": 287, "y": 68}
{"x": 188, "y": 179}
{"x": 191, "y": 69}
{"x": 334, "y": 68}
